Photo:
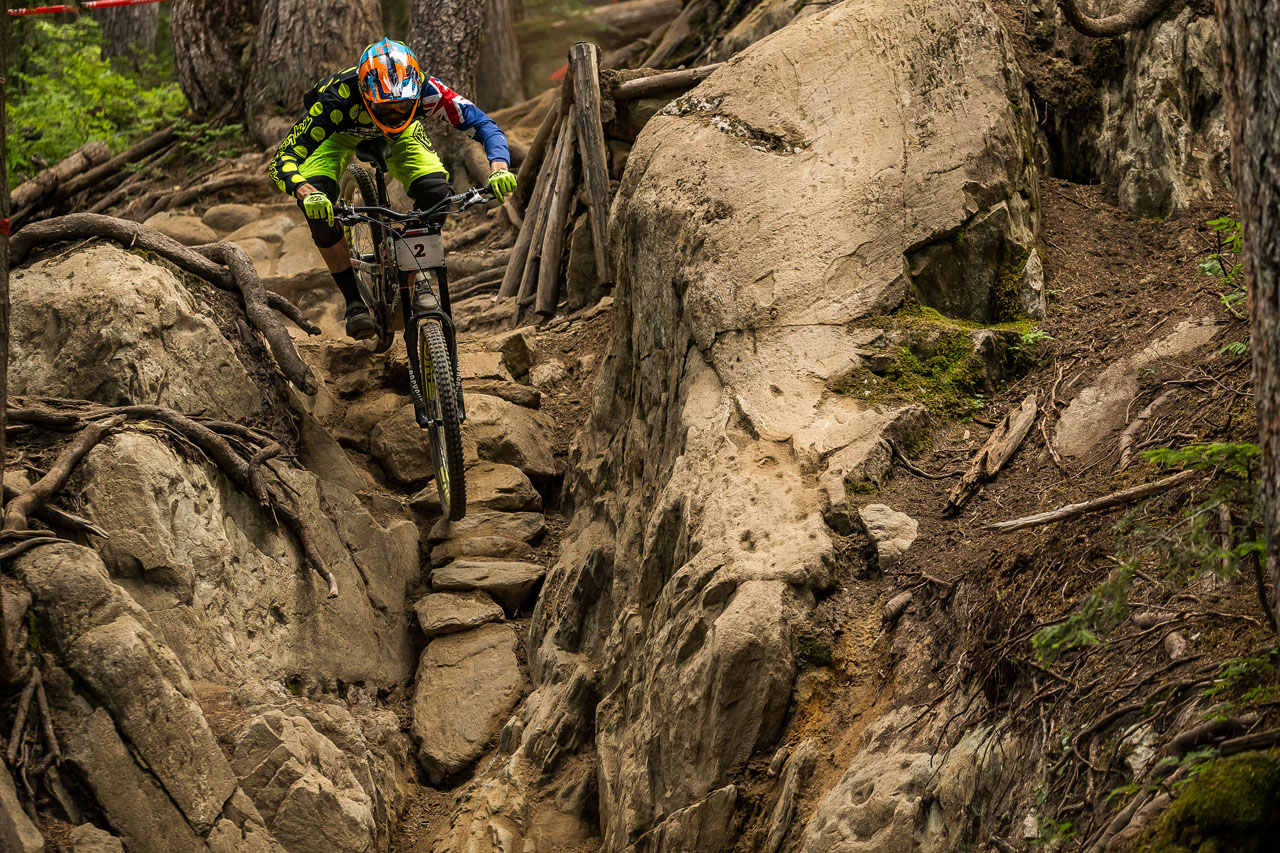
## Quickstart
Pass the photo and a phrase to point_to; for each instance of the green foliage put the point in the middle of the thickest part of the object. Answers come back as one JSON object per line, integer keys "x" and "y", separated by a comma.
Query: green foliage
{"x": 1230, "y": 805}
{"x": 210, "y": 143}
{"x": 1236, "y": 348}
{"x": 1243, "y": 684}
{"x": 1224, "y": 266}
{"x": 1105, "y": 608}
{"x": 63, "y": 94}
{"x": 1035, "y": 336}
{"x": 1193, "y": 542}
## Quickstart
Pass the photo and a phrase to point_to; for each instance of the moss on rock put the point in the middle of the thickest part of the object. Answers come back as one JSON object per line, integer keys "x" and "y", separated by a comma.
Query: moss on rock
{"x": 1232, "y": 805}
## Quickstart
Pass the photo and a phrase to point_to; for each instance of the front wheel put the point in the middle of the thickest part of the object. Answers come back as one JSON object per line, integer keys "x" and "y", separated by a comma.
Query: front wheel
{"x": 441, "y": 401}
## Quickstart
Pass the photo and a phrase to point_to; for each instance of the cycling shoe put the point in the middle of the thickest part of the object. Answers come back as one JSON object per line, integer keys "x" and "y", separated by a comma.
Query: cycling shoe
{"x": 360, "y": 323}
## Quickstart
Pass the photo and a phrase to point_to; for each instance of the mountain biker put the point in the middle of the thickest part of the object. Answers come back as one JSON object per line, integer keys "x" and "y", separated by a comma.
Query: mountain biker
{"x": 380, "y": 98}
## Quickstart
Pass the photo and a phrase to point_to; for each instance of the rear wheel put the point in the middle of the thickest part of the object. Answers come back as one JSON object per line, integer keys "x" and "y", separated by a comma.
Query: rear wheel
{"x": 365, "y": 241}
{"x": 436, "y": 373}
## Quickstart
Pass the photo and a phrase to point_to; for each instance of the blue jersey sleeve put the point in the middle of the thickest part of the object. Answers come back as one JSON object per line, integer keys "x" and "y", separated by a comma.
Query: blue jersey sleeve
{"x": 442, "y": 102}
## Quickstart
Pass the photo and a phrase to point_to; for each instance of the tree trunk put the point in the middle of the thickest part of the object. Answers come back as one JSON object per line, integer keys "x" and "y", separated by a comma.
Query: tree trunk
{"x": 129, "y": 31}
{"x": 498, "y": 78}
{"x": 1250, "y": 43}
{"x": 447, "y": 35}
{"x": 211, "y": 41}
{"x": 4, "y": 293}
{"x": 299, "y": 42}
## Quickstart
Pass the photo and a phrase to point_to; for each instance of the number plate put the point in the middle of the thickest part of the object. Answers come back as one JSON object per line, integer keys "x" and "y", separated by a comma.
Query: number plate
{"x": 419, "y": 251}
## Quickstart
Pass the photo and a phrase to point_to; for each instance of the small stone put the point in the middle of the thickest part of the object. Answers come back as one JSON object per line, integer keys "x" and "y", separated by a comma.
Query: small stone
{"x": 509, "y": 583}
{"x": 547, "y": 373}
{"x": 271, "y": 229}
{"x": 187, "y": 230}
{"x": 516, "y": 350}
{"x": 230, "y": 217}
{"x": 450, "y": 612}
{"x": 490, "y": 486}
{"x": 521, "y": 395}
{"x": 483, "y": 365}
{"x": 525, "y": 526}
{"x": 891, "y": 532}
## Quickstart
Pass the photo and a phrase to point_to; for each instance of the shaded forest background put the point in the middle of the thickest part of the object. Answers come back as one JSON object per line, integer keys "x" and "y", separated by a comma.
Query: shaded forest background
{"x": 237, "y": 77}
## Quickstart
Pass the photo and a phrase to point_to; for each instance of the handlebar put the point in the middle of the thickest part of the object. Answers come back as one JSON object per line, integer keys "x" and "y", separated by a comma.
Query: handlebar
{"x": 350, "y": 214}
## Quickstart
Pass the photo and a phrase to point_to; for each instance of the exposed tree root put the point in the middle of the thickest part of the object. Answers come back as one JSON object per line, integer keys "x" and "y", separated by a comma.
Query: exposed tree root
{"x": 39, "y": 492}
{"x": 1127, "y": 19}
{"x": 238, "y": 276}
{"x": 244, "y": 472}
{"x": 1131, "y": 431}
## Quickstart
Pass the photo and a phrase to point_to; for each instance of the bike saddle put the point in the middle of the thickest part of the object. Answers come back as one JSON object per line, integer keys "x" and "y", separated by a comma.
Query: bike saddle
{"x": 374, "y": 151}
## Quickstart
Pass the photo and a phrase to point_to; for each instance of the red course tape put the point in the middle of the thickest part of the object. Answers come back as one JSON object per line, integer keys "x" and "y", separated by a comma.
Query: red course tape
{"x": 4, "y": 228}
{"x": 73, "y": 7}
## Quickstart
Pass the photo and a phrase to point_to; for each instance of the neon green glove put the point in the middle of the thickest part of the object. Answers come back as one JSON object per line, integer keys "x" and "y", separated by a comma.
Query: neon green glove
{"x": 502, "y": 183}
{"x": 317, "y": 206}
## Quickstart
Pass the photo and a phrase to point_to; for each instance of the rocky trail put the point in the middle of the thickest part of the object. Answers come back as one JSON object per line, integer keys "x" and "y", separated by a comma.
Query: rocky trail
{"x": 732, "y": 576}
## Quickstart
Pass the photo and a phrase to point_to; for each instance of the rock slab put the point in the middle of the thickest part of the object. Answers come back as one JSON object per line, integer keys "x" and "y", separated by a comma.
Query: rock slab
{"x": 467, "y": 685}
{"x": 450, "y": 612}
{"x": 509, "y": 583}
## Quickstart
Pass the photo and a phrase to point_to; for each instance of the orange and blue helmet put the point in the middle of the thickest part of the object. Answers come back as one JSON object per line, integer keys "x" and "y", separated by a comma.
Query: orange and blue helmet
{"x": 390, "y": 84}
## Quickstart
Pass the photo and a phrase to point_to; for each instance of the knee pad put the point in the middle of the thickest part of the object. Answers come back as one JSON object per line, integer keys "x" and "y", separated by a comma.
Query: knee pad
{"x": 428, "y": 191}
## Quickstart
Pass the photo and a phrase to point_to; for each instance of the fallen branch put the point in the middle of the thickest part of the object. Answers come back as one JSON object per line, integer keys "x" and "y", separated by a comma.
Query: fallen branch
{"x": 1115, "y": 499}
{"x": 94, "y": 177}
{"x": 453, "y": 242}
{"x": 1131, "y": 431}
{"x": 239, "y": 276}
{"x": 680, "y": 29}
{"x": 152, "y": 203}
{"x": 665, "y": 83}
{"x": 39, "y": 492}
{"x": 33, "y": 192}
{"x": 998, "y": 450}
{"x": 919, "y": 472}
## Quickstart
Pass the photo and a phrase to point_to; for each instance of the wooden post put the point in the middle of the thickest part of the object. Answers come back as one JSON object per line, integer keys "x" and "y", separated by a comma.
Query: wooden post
{"x": 520, "y": 252}
{"x": 530, "y": 273}
{"x": 553, "y": 238}
{"x": 584, "y": 65}
{"x": 533, "y": 160}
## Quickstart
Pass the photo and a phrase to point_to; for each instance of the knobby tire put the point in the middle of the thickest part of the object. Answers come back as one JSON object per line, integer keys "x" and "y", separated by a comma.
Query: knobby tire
{"x": 436, "y": 371}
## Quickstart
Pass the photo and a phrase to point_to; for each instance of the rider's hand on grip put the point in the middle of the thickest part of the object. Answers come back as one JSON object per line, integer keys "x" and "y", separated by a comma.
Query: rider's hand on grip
{"x": 502, "y": 183}
{"x": 317, "y": 206}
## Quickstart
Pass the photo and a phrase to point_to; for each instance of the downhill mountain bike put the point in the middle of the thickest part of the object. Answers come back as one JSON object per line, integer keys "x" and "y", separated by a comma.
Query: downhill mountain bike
{"x": 394, "y": 256}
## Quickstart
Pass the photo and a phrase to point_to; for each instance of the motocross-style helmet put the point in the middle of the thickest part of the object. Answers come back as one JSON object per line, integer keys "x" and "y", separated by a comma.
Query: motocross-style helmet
{"x": 390, "y": 84}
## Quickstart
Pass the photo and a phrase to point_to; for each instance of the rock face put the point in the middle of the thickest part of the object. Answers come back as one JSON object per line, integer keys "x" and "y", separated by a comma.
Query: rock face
{"x": 226, "y": 586}
{"x": 303, "y": 786}
{"x": 662, "y": 644}
{"x": 188, "y": 793}
{"x": 1148, "y": 115}
{"x": 104, "y": 324}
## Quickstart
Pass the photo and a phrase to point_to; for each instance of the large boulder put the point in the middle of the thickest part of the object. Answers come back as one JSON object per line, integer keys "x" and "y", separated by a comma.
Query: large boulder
{"x": 888, "y": 155}
{"x": 107, "y": 325}
{"x": 226, "y": 586}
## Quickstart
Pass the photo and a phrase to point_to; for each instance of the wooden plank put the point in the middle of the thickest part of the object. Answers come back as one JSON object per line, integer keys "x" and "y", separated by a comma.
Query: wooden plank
{"x": 584, "y": 65}
{"x": 1000, "y": 447}
{"x": 665, "y": 83}
{"x": 562, "y": 198}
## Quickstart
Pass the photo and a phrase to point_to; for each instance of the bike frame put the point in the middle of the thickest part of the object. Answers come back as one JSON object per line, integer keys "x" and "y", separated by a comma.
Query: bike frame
{"x": 391, "y": 225}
